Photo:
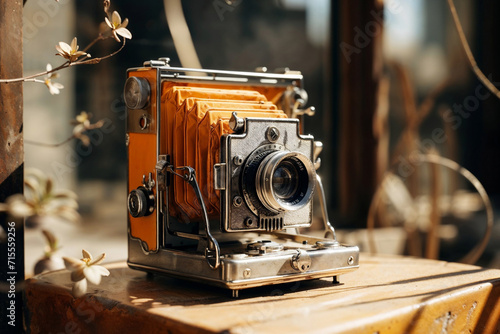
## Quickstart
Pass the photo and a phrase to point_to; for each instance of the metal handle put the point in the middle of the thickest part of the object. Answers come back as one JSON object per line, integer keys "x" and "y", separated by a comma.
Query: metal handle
{"x": 212, "y": 252}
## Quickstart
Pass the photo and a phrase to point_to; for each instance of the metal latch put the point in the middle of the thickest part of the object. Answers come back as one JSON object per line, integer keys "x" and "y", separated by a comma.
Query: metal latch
{"x": 220, "y": 176}
{"x": 161, "y": 172}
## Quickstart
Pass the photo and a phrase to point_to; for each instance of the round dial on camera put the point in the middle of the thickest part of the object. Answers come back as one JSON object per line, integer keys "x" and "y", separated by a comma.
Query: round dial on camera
{"x": 136, "y": 92}
{"x": 140, "y": 202}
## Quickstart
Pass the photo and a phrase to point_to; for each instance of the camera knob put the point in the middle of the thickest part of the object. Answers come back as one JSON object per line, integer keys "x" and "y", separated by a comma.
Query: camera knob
{"x": 136, "y": 92}
{"x": 237, "y": 124}
{"x": 140, "y": 202}
{"x": 301, "y": 261}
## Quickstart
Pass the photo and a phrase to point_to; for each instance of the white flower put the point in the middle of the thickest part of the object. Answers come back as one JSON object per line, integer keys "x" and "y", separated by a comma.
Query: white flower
{"x": 18, "y": 206}
{"x": 41, "y": 199}
{"x": 118, "y": 27}
{"x": 85, "y": 269}
{"x": 53, "y": 87}
{"x": 70, "y": 52}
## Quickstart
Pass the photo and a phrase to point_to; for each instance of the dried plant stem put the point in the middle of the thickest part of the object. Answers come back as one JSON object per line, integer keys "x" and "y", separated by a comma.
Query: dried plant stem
{"x": 382, "y": 134}
{"x": 32, "y": 142}
{"x": 432, "y": 247}
{"x": 77, "y": 135}
{"x": 428, "y": 103}
{"x": 410, "y": 136}
{"x": 381, "y": 127}
{"x": 468, "y": 52}
{"x": 83, "y": 61}
{"x": 452, "y": 148}
{"x": 476, "y": 252}
{"x": 29, "y": 77}
{"x": 415, "y": 115}
{"x": 414, "y": 240}
{"x": 370, "y": 221}
{"x": 97, "y": 60}
{"x": 97, "y": 39}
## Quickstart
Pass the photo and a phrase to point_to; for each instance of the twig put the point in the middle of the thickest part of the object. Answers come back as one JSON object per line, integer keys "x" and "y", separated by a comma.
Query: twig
{"x": 68, "y": 63}
{"x": 27, "y": 78}
{"x": 476, "y": 252}
{"x": 76, "y": 135}
{"x": 428, "y": 103}
{"x": 32, "y": 142}
{"x": 98, "y": 59}
{"x": 468, "y": 52}
{"x": 451, "y": 149}
{"x": 416, "y": 114}
{"x": 432, "y": 247}
{"x": 100, "y": 37}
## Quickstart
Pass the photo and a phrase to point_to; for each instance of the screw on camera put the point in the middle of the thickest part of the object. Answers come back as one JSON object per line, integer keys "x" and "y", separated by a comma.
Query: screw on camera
{"x": 248, "y": 222}
{"x": 237, "y": 160}
{"x": 272, "y": 134}
{"x": 237, "y": 201}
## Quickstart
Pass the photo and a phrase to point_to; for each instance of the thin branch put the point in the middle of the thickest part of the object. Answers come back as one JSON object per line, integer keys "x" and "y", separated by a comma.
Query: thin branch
{"x": 68, "y": 63}
{"x": 428, "y": 103}
{"x": 99, "y": 38}
{"x": 468, "y": 52}
{"x": 32, "y": 142}
{"x": 432, "y": 245}
{"x": 34, "y": 80}
{"x": 60, "y": 67}
{"x": 475, "y": 253}
{"x": 76, "y": 134}
{"x": 415, "y": 114}
{"x": 98, "y": 59}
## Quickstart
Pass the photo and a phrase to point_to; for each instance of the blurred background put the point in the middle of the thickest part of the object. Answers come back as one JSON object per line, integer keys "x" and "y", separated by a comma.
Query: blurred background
{"x": 388, "y": 79}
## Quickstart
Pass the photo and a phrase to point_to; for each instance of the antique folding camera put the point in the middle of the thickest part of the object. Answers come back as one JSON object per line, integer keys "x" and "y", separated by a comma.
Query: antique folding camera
{"x": 221, "y": 179}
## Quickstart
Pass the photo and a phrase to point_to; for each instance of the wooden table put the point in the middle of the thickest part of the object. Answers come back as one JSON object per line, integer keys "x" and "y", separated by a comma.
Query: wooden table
{"x": 386, "y": 294}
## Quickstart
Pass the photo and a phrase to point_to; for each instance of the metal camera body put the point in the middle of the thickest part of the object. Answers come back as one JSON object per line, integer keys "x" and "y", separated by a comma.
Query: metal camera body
{"x": 251, "y": 159}
{"x": 230, "y": 218}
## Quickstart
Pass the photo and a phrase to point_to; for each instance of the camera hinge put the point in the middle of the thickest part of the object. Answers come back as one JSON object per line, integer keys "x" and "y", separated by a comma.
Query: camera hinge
{"x": 161, "y": 172}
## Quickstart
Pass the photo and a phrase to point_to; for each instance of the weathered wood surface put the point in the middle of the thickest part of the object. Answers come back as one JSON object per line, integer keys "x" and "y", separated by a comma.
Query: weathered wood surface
{"x": 11, "y": 95}
{"x": 386, "y": 295}
{"x": 11, "y": 156}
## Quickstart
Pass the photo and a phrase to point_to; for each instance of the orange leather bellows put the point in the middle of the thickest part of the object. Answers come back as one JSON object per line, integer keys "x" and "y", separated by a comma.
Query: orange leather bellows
{"x": 194, "y": 120}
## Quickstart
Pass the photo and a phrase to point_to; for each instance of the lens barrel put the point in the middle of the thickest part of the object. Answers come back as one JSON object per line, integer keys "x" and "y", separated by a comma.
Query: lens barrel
{"x": 285, "y": 181}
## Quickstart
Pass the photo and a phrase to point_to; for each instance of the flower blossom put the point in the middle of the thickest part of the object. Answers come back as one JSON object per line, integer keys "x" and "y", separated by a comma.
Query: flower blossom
{"x": 41, "y": 200}
{"x": 118, "y": 27}
{"x": 53, "y": 87}
{"x": 85, "y": 269}
{"x": 82, "y": 124}
{"x": 49, "y": 261}
{"x": 70, "y": 52}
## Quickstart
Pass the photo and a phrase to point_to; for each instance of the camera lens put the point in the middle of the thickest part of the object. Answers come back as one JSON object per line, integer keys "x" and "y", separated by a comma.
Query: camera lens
{"x": 285, "y": 181}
